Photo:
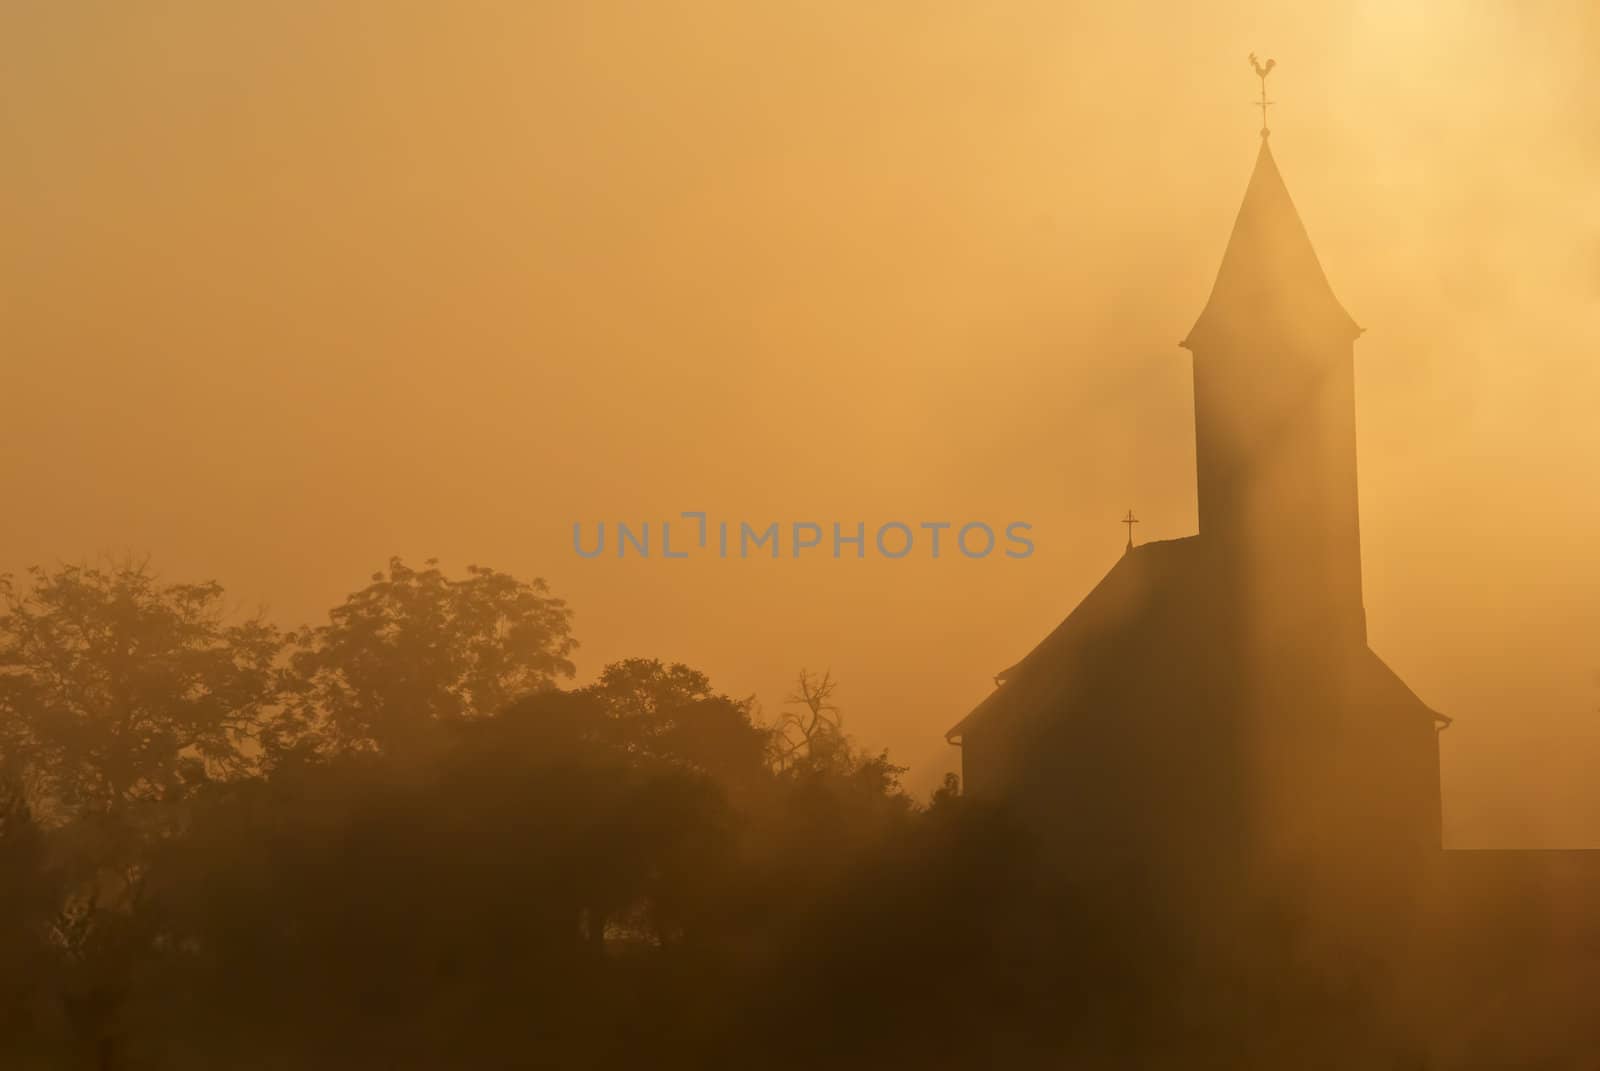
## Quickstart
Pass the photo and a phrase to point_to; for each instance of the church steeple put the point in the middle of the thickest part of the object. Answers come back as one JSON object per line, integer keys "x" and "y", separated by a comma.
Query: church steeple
{"x": 1274, "y": 373}
{"x": 1270, "y": 279}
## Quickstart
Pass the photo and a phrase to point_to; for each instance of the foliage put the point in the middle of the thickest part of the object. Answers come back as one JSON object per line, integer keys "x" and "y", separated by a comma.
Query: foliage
{"x": 415, "y": 649}
{"x": 117, "y": 688}
{"x": 672, "y": 713}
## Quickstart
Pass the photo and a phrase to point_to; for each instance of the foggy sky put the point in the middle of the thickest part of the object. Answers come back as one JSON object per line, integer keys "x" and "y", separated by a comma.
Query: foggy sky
{"x": 288, "y": 288}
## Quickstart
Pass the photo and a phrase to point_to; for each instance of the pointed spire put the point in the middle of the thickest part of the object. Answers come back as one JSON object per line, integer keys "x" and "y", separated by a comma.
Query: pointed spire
{"x": 1270, "y": 283}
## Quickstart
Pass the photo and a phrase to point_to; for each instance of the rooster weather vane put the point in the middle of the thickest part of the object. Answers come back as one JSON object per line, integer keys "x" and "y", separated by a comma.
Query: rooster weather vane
{"x": 1262, "y": 70}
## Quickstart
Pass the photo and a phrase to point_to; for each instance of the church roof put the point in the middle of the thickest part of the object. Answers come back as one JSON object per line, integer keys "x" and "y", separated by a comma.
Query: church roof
{"x": 1270, "y": 276}
{"x": 1140, "y": 578}
{"x": 1156, "y": 611}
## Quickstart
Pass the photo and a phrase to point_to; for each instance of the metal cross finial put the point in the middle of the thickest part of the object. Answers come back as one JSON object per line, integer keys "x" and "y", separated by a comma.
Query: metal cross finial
{"x": 1130, "y": 520}
{"x": 1262, "y": 70}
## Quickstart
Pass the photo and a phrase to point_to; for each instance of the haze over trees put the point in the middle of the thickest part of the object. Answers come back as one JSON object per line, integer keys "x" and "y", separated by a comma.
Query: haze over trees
{"x": 395, "y": 839}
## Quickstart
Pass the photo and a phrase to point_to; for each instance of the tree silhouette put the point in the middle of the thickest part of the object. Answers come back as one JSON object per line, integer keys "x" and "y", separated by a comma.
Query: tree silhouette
{"x": 415, "y": 649}
{"x": 672, "y": 713}
{"x": 811, "y": 725}
{"x": 119, "y": 688}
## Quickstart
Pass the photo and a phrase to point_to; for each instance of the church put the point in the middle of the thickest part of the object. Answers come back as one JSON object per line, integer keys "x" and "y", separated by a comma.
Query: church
{"x": 1210, "y": 719}
{"x": 1215, "y": 695}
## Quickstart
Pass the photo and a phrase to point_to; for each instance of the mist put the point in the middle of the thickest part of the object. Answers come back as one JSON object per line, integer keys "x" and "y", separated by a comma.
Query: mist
{"x": 395, "y": 279}
{"x": 330, "y": 324}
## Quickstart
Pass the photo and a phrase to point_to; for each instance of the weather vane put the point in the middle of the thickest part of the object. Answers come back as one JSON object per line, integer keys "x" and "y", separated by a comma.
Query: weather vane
{"x": 1261, "y": 72}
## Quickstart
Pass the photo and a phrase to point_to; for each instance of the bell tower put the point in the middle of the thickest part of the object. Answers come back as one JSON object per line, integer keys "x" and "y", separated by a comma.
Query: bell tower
{"x": 1274, "y": 386}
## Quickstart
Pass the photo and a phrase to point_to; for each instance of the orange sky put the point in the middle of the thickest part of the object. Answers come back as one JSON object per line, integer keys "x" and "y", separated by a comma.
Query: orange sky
{"x": 286, "y": 288}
